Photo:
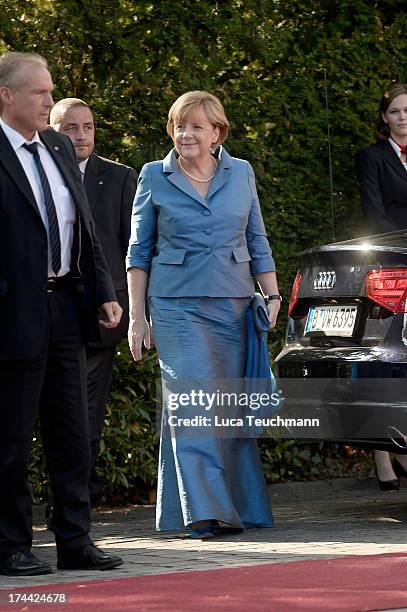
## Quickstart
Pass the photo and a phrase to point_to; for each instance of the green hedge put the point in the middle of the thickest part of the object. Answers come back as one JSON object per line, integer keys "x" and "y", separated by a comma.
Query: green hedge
{"x": 265, "y": 59}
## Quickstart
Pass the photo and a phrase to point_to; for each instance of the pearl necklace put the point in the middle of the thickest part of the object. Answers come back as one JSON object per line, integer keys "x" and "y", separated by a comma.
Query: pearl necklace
{"x": 194, "y": 177}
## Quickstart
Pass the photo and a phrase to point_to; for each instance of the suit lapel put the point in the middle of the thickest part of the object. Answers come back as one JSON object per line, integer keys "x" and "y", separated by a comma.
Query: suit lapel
{"x": 93, "y": 180}
{"x": 179, "y": 180}
{"x": 60, "y": 156}
{"x": 222, "y": 173}
{"x": 13, "y": 166}
{"x": 392, "y": 158}
{"x": 57, "y": 155}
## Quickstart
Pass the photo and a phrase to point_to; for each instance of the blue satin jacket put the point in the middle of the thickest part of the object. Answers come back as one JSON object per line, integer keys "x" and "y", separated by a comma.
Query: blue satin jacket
{"x": 195, "y": 246}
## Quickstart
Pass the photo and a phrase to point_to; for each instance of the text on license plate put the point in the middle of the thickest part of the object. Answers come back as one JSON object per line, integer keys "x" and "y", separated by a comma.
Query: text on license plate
{"x": 331, "y": 320}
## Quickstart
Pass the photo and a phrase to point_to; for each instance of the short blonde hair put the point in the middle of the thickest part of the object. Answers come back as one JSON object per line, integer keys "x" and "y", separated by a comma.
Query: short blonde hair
{"x": 190, "y": 101}
{"x": 61, "y": 108}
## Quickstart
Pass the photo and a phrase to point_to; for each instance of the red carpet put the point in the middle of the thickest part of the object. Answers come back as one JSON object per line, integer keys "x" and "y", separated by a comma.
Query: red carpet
{"x": 353, "y": 584}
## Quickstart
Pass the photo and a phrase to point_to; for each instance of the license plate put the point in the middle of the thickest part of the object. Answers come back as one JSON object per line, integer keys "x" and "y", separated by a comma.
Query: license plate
{"x": 331, "y": 320}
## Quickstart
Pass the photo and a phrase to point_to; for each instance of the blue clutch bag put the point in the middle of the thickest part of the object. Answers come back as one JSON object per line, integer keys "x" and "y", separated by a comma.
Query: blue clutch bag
{"x": 258, "y": 374}
{"x": 258, "y": 307}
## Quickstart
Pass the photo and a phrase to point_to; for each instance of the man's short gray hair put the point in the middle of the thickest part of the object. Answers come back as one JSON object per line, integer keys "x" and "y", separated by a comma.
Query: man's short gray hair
{"x": 63, "y": 106}
{"x": 12, "y": 64}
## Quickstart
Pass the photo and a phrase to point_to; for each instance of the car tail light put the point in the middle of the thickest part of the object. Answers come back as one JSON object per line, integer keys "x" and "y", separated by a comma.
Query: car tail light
{"x": 294, "y": 293}
{"x": 388, "y": 287}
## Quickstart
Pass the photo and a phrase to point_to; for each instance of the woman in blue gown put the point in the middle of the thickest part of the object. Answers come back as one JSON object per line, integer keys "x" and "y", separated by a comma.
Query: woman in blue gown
{"x": 197, "y": 240}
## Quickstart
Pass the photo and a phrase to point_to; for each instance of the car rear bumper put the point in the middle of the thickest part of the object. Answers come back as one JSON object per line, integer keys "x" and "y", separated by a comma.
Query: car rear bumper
{"x": 358, "y": 395}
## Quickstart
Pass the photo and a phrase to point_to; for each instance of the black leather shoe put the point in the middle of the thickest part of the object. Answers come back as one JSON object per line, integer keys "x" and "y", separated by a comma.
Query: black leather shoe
{"x": 89, "y": 558}
{"x": 49, "y": 511}
{"x": 97, "y": 500}
{"x": 24, "y": 563}
{"x": 398, "y": 469}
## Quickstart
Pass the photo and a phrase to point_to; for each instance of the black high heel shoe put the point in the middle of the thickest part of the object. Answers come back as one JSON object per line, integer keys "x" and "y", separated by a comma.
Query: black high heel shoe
{"x": 389, "y": 485}
{"x": 398, "y": 469}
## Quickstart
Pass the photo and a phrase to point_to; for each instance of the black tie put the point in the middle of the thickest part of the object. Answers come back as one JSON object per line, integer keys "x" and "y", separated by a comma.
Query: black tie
{"x": 50, "y": 206}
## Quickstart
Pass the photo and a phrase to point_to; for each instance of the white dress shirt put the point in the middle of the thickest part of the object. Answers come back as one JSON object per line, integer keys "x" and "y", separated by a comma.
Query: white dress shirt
{"x": 61, "y": 195}
{"x": 398, "y": 150}
{"x": 82, "y": 167}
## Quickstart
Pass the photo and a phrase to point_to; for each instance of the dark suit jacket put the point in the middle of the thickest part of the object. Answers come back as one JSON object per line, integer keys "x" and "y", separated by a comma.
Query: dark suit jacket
{"x": 383, "y": 187}
{"x": 23, "y": 253}
{"x": 110, "y": 188}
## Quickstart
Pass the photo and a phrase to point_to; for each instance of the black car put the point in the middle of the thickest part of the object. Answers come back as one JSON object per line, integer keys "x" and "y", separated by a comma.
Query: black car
{"x": 345, "y": 356}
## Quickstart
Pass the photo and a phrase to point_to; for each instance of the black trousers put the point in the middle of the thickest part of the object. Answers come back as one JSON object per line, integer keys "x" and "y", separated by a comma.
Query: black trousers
{"x": 53, "y": 385}
{"x": 99, "y": 361}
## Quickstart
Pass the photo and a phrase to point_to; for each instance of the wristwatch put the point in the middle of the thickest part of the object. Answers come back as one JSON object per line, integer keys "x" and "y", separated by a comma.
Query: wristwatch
{"x": 276, "y": 296}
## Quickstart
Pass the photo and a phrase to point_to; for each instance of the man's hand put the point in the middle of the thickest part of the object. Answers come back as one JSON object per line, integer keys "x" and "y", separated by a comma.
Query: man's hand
{"x": 113, "y": 314}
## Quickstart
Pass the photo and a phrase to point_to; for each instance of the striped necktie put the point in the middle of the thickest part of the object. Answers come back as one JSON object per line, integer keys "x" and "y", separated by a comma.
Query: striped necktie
{"x": 53, "y": 226}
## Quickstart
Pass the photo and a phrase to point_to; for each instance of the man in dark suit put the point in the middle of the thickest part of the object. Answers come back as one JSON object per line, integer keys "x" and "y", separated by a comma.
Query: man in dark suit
{"x": 53, "y": 279}
{"x": 110, "y": 188}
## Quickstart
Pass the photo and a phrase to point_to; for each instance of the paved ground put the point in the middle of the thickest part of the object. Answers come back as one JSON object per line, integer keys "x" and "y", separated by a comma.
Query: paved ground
{"x": 313, "y": 521}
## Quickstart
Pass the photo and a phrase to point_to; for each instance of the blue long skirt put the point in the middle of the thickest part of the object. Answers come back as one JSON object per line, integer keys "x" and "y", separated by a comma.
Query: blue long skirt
{"x": 201, "y": 478}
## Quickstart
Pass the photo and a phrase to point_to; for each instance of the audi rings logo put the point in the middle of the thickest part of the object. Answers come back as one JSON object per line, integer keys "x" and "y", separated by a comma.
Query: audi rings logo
{"x": 325, "y": 281}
